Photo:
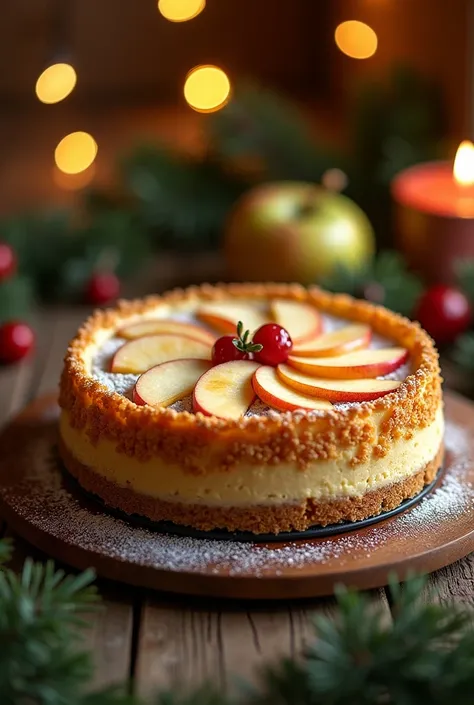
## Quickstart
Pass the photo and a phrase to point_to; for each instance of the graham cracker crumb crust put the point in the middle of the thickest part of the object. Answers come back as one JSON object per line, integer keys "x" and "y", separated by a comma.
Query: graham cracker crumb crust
{"x": 203, "y": 444}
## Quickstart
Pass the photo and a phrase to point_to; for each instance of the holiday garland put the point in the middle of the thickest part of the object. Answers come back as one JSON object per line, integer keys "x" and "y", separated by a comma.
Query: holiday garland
{"x": 424, "y": 654}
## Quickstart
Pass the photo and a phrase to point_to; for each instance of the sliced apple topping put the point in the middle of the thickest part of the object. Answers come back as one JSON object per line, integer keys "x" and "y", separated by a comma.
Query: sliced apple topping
{"x": 141, "y": 354}
{"x": 226, "y": 390}
{"x": 338, "y": 342}
{"x": 337, "y": 390}
{"x": 354, "y": 365}
{"x": 224, "y": 316}
{"x": 166, "y": 383}
{"x": 272, "y": 391}
{"x": 302, "y": 321}
{"x": 154, "y": 326}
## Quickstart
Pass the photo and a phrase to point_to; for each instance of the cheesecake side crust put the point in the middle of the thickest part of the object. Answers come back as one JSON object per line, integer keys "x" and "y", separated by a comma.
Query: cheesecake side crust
{"x": 180, "y": 437}
{"x": 258, "y": 519}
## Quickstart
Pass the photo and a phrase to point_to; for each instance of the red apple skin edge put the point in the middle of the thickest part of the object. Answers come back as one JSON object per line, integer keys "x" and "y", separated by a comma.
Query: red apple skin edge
{"x": 220, "y": 324}
{"x": 270, "y": 399}
{"x": 353, "y": 346}
{"x": 197, "y": 407}
{"x": 335, "y": 396}
{"x": 358, "y": 372}
{"x": 343, "y": 397}
{"x": 137, "y": 398}
{"x": 315, "y": 333}
{"x": 151, "y": 335}
{"x": 202, "y": 335}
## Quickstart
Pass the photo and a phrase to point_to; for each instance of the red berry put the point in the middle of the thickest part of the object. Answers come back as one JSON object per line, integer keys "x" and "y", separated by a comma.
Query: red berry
{"x": 224, "y": 350}
{"x": 16, "y": 341}
{"x": 102, "y": 287}
{"x": 276, "y": 342}
{"x": 7, "y": 261}
{"x": 444, "y": 312}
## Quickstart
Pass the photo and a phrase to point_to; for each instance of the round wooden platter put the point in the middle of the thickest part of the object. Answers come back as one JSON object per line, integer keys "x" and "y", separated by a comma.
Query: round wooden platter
{"x": 41, "y": 505}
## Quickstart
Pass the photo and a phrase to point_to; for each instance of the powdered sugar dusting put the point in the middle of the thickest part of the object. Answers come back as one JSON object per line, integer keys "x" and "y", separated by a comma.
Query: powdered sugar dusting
{"x": 120, "y": 383}
{"x": 46, "y": 502}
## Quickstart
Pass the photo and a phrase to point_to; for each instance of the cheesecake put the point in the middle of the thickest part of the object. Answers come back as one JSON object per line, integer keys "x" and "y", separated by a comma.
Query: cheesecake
{"x": 258, "y": 408}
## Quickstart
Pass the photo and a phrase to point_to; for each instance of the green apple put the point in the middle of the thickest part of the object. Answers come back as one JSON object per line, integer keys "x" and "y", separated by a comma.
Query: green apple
{"x": 290, "y": 231}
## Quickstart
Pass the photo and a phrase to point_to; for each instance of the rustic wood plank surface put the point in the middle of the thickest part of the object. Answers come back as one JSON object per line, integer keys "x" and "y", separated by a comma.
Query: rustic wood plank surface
{"x": 161, "y": 640}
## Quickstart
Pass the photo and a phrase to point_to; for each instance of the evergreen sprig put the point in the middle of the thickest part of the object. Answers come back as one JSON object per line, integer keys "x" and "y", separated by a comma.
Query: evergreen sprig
{"x": 463, "y": 351}
{"x": 261, "y": 128}
{"x": 386, "y": 281}
{"x": 424, "y": 653}
{"x": 182, "y": 202}
{"x": 58, "y": 253}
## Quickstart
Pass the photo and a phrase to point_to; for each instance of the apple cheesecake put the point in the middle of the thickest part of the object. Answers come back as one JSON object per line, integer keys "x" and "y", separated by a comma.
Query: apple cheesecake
{"x": 261, "y": 408}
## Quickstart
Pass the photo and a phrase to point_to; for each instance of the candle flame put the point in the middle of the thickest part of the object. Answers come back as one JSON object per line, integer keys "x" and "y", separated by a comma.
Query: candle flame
{"x": 464, "y": 164}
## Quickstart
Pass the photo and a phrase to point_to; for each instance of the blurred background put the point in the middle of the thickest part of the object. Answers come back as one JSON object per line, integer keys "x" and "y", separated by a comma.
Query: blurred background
{"x": 146, "y": 144}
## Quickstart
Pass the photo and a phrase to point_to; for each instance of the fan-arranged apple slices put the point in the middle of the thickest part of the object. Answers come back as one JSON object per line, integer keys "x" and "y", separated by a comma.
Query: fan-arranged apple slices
{"x": 154, "y": 326}
{"x": 302, "y": 321}
{"x": 141, "y": 354}
{"x": 166, "y": 383}
{"x": 338, "y": 342}
{"x": 271, "y": 390}
{"x": 226, "y": 390}
{"x": 224, "y": 316}
{"x": 354, "y": 365}
{"x": 337, "y": 390}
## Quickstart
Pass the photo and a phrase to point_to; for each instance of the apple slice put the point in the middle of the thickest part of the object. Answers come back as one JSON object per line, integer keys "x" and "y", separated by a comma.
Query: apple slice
{"x": 226, "y": 390}
{"x": 354, "y": 365}
{"x": 338, "y": 342}
{"x": 141, "y": 354}
{"x": 224, "y": 316}
{"x": 153, "y": 326}
{"x": 302, "y": 321}
{"x": 337, "y": 390}
{"x": 271, "y": 390}
{"x": 166, "y": 383}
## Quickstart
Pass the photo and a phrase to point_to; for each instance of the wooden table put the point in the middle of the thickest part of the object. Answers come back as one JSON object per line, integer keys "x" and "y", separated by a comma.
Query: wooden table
{"x": 159, "y": 639}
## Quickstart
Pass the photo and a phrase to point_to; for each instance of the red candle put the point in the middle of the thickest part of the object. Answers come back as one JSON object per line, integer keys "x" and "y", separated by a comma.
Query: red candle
{"x": 435, "y": 214}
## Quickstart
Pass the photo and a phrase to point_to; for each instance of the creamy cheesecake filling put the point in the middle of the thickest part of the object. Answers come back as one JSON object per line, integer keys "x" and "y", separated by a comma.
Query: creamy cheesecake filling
{"x": 250, "y": 485}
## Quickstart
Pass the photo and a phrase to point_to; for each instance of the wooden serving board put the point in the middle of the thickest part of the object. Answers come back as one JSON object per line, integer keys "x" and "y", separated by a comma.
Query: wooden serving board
{"x": 40, "y": 504}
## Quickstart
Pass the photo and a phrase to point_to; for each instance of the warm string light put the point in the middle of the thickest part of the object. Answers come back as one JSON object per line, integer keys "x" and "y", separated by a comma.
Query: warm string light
{"x": 75, "y": 152}
{"x": 55, "y": 83}
{"x": 181, "y": 10}
{"x": 207, "y": 88}
{"x": 356, "y": 39}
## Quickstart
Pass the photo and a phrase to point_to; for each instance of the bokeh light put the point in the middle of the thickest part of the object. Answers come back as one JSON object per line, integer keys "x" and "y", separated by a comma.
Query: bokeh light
{"x": 75, "y": 152}
{"x": 55, "y": 83}
{"x": 207, "y": 88}
{"x": 181, "y": 10}
{"x": 334, "y": 179}
{"x": 356, "y": 39}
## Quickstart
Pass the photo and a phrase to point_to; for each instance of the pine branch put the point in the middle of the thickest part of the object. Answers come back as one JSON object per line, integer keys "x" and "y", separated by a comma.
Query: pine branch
{"x": 39, "y": 616}
{"x": 387, "y": 281}
{"x": 57, "y": 256}
{"x": 110, "y": 696}
{"x": 463, "y": 351}
{"x": 425, "y": 654}
{"x": 5, "y": 551}
{"x": 205, "y": 695}
{"x": 261, "y": 126}
{"x": 183, "y": 201}
{"x": 465, "y": 277}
